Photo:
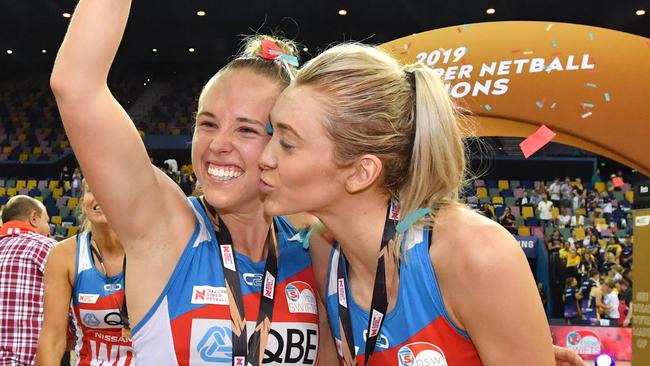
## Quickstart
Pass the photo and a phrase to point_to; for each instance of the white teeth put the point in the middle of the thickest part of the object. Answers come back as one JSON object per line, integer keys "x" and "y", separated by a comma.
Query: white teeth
{"x": 96, "y": 208}
{"x": 224, "y": 173}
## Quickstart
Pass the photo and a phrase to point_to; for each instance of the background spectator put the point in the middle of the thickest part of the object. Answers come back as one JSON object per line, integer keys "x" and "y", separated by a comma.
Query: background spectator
{"x": 24, "y": 246}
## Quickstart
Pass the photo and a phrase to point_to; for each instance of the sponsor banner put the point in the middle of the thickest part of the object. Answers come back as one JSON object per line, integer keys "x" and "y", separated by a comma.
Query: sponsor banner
{"x": 584, "y": 83}
{"x": 589, "y": 342}
{"x": 289, "y": 343}
{"x": 529, "y": 245}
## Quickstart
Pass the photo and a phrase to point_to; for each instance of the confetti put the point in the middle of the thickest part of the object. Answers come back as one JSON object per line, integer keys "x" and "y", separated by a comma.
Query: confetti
{"x": 515, "y": 51}
{"x": 553, "y": 105}
{"x": 458, "y": 29}
{"x": 536, "y": 141}
{"x": 406, "y": 48}
{"x": 591, "y": 85}
{"x": 540, "y": 103}
{"x": 554, "y": 43}
{"x": 487, "y": 107}
{"x": 465, "y": 26}
{"x": 549, "y": 26}
{"x": 588, "y": 105}
{"x": 618, "y": 182}
{"x": 555, "y": 54}
{"x": 591, "y": 36}
{"x": 586, "y": 115}
{"x": 607, "y": 98}
{"x": 528, "y": 52}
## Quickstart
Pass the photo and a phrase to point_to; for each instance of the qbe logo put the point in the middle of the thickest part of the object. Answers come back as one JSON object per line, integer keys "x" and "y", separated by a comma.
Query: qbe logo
{"x": 421, "y": 354}
{"x": 300, "y": 298}
{"x": 216, "y": 345}
{"x": 289, "y": 343}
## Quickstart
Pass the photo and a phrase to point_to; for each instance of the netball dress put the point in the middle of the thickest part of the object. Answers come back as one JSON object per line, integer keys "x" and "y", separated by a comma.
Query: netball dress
{"x": 418, "y": 330}
{"x": 190, "y": 322}
{"x": 96, "y": 303}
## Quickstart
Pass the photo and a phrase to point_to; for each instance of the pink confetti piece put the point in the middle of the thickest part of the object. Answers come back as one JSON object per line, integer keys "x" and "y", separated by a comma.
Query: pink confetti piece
{"x": 536, "y": 141}
{"x": 540, "y": 103}
{"x": 618, "y": 182}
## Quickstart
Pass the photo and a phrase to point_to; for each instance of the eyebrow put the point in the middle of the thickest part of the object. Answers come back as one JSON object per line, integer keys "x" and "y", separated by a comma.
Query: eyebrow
{"x": 286, "y": 127}
{"x": 238, "y": 119}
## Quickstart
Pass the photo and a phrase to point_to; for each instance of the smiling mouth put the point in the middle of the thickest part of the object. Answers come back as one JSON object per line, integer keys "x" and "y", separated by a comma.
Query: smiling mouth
{"x": 96, "y": 208}
{"x": 224, "y": 173}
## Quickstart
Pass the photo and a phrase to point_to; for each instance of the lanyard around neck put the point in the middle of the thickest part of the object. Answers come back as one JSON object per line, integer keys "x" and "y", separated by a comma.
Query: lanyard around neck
{"x": 247, "y": 351}
{"x": 379, "y": 304}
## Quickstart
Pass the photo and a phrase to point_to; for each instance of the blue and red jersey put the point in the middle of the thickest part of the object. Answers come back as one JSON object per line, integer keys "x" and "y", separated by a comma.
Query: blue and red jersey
{"x": 418, "y": 330}
{"x": 190, "y": 322}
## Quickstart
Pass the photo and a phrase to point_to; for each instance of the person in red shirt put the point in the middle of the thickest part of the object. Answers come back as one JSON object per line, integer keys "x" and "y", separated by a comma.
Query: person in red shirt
{"x": 24, "y": 246}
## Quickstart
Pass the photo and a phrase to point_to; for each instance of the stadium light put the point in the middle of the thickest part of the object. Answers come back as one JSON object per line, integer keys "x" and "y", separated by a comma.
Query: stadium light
{"x": 640, "y": 12}
{"x": 604, "y": 360}
{"x": 490, "y": 11}
{"x": 343, "y": 12}
{"x": 67, "y": 15}
{"x": 200, "y": 13}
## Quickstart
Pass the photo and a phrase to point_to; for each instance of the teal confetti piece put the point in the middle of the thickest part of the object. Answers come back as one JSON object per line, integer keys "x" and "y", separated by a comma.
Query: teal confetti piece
{"x": 591, "y": 85}
{"x": 269, "y": 128}
{"x": 487, "y": 107}
{"x": 539, "y": 104}
{"x": 607, "y": 98}
{"x": 409, "y": 220}
{"x": 553, "y": 105}
{"x": 554, "y": 43}
{"x": 591, "y": 36}
{"x": 465, "y": 26}
{"x": 588, "y": 105}
{"x": 293, "y": 60}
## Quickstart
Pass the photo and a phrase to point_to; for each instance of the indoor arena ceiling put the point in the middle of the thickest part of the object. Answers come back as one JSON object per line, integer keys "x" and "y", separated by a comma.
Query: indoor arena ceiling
{"x": 30, "y": 31}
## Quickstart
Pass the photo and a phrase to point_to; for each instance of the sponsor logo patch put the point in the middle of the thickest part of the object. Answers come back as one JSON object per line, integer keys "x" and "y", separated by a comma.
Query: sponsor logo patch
{"x": 228, "y": 257}
{"x": 88, "y": 298}
{"x": 375, "y": 322}
{"x": 289, "y": 343}
{"x": 253, "y": 279}
{"x": 209, "y": 295}
{"x": 269, "y": 285}
{"x": 104, "y": 318}
{"x": 421, "y": 353}
{"x": 342, "y": 299}
{"x": 300, "y": 298}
